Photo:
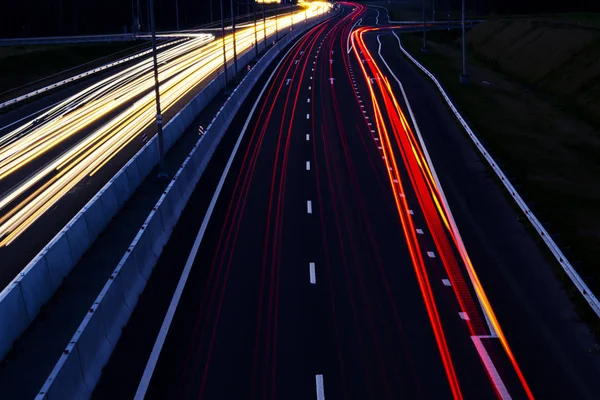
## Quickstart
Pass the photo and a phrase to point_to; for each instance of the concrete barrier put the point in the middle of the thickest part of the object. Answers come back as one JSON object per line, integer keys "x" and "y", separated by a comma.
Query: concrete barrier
{"x": 119, "y": 296}
{"x": 38, "y": 281}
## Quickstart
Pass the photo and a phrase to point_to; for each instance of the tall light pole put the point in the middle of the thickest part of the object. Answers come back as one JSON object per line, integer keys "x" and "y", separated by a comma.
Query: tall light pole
{"x": 464, "y": 77}
{"x": 223, "y": 38}
{"x": 276, "y": 22}
{"x": 235, "y": 63}
{"x": 177, "y": 13}
{"x": 305, "y": 15}
{"x": 161, "y": 147}
{"x": 148, "y": 13}
{"x": 264, "y": 26}
{"x": 291, "y": 16}
{"x": 424, "y": 48}
{"x": 255, "y": 30}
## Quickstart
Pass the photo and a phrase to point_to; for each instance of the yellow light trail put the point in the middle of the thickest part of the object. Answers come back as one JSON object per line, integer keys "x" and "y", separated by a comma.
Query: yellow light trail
{"x": 126, "y": 94}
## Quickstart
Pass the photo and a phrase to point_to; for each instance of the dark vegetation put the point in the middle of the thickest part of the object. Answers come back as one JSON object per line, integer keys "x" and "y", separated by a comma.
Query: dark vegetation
{"x": 534, "y": 101}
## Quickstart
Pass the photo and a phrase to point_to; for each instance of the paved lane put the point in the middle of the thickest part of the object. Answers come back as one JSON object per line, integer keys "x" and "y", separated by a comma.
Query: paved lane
{"x": 310, "y": 277}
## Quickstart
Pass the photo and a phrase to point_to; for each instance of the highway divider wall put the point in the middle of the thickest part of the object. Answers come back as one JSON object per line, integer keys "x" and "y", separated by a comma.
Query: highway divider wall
{"x": 22, "y": 298}
{"x": 78, "y": 369}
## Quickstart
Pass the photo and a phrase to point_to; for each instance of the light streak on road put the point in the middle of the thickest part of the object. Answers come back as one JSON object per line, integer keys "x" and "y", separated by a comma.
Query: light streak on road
{"x": 123, "y": 105}
{"x": 435, "y": 210}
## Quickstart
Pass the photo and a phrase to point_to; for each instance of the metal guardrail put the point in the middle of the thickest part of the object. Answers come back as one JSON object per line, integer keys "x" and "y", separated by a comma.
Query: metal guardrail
{"x": 122, "y": 37}
{"x": 567, "y": 267}
{"x": 83, "y": 75}
{"x": 79, "y": 367}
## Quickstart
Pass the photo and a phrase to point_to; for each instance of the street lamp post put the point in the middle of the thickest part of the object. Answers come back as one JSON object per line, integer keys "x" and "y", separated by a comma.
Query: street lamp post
{"x": 464, "y": 77}
{"x": 223, "y": 39}
{"x": 235, "y": 62}
{"x": 424, "y": 48}
{"x": 177, "y": 14}
{"x": 276, "y": 22}
{"x": 161, "y": 148}
{"x": 264, "y": 25}
{"x": 255, "y": 31}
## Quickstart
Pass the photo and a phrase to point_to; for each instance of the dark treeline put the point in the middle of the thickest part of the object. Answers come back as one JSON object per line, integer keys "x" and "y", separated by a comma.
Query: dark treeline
{"x": 22, "y": 18}
{"x": 527, "y": 6}
{"x": 27, "y": 18}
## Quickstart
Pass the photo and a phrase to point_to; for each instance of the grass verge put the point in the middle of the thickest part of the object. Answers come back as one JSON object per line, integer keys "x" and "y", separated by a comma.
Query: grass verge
{"x": 549, "y": 154}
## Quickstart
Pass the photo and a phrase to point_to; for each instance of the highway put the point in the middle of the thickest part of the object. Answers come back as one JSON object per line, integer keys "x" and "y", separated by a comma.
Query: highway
{"x": 51, "y": 155}
{"x": 356, "y": 249}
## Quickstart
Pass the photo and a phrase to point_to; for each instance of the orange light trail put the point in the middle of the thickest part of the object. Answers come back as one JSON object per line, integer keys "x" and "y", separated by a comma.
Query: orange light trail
{"x": 435, "y": 209}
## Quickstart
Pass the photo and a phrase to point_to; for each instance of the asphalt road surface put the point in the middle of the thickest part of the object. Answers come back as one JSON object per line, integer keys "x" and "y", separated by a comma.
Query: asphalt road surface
{"x": 58, "y": 151}
{"x": 359, "y": 250}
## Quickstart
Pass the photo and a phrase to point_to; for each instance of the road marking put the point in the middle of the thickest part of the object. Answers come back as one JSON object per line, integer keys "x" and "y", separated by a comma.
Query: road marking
{"x": 431, "y": 254}
{"x": 489, "y": 365}
{"x": 287, "y": 81}
{"x": 446, "y": 282}
{"x": 309, "y": 206}
{"x": 460, "y": 243}
{"x": 307, "y": 116}
{"x": 310, "y": 88}
{"x": 311, "y": 77}
{"x": 380, "y": 148}
{"x": 164, "y": 329}
{"x": 409, "y": 211}
{"x": 464, "y": 315}
{"x": 308, "y": 165}
{"x": 307, "y": 137}
{"x": 312, "y": 274}
{"x": 420, "y": 231}
{"x": 308, "y": 100}
{"x": 320, "y": 388}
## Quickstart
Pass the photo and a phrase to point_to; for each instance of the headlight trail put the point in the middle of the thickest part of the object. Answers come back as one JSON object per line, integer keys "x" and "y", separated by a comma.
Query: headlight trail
{"x": 124, "y": 104}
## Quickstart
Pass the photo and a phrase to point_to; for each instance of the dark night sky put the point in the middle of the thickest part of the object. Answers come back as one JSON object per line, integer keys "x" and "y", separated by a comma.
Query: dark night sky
{"x": 43, "y": 17}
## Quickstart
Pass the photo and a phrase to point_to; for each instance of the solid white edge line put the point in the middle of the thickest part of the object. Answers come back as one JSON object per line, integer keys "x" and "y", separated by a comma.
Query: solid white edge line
{"x": 164, "y": 329}
{"x": 437, "y": 181}
{"x": 489, "y": 365}
{"x": 312, "y": 273}
{"x": 320, "y": 387}
{"x": 579, "y": 283}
